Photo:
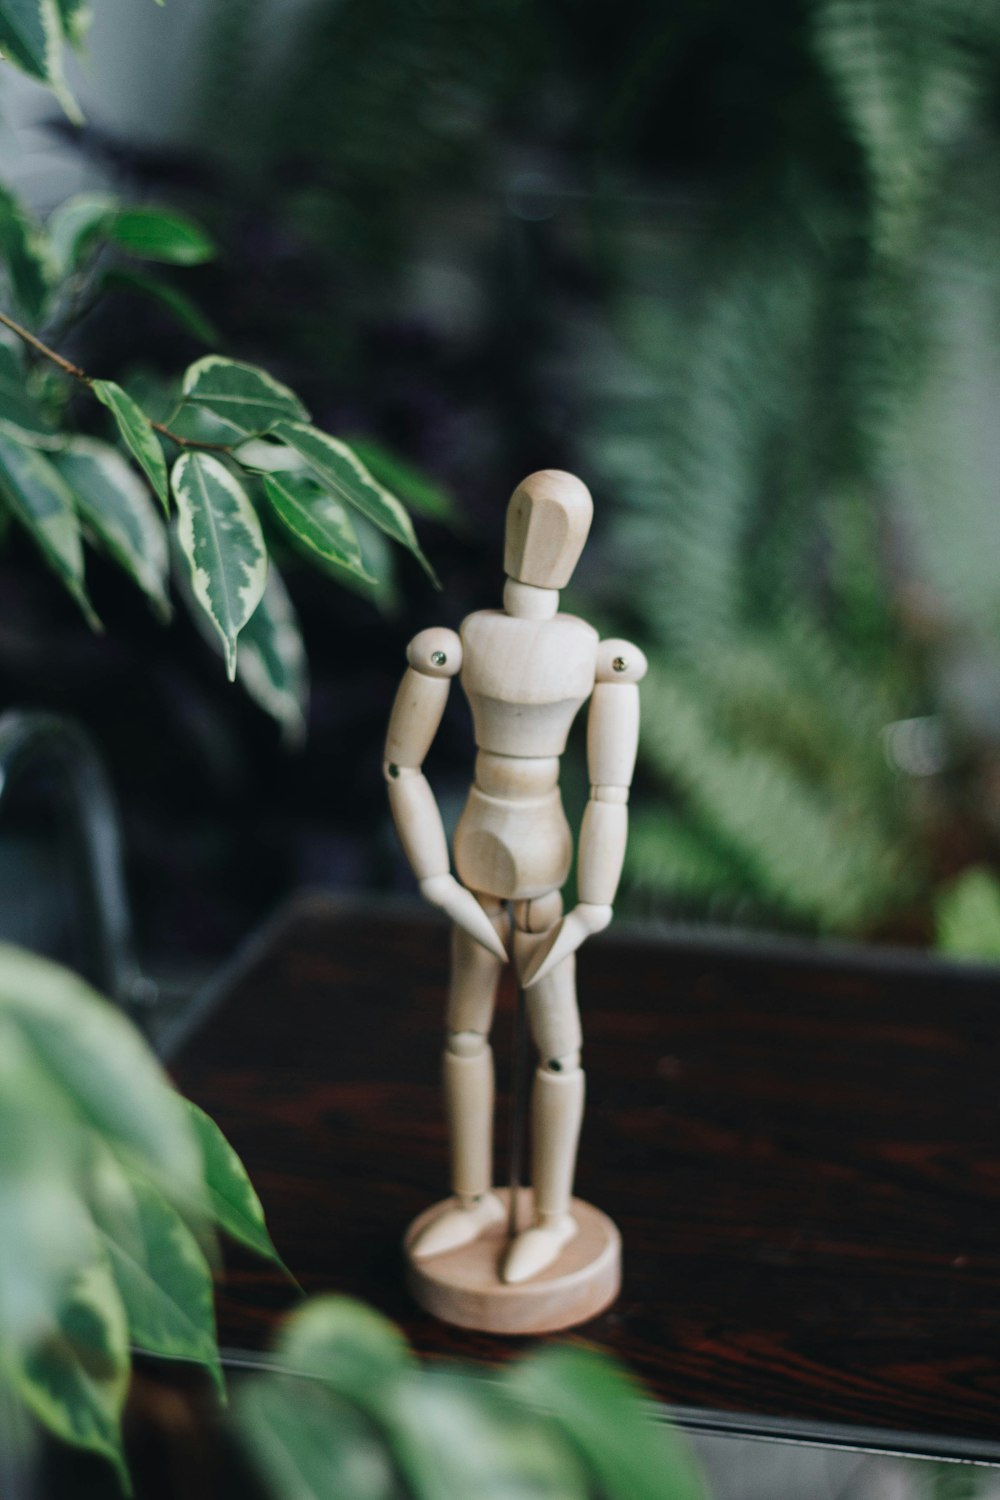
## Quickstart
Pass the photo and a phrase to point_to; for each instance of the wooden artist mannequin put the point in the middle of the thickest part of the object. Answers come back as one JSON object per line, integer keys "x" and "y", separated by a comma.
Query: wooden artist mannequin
{"x": 526, "y": 671}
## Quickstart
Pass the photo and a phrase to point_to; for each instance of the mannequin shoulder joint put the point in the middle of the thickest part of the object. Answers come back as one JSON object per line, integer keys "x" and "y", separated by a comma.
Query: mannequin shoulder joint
{"x": 620, "y": 661}
{"x": 435, "y": 653}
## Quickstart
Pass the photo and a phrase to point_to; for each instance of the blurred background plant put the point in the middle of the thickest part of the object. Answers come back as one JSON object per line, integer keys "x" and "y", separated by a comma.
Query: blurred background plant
{"x": 739, "y": 271}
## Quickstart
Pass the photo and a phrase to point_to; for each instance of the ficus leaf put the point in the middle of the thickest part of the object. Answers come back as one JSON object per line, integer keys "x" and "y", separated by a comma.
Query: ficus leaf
{"x": 272, "y": 660}
{"x": 25, "y": 254}
{"x": 31, "y": 37}
{"x": 234, "y": 1203}
{"x": 315, "y": 520}
{"x": 117, "y": 507}
{"x": 36, "y": 494}
{"x": 137, "y": 434}
{"x": 21, "y": 417}
{"x": 199, "y": 425}
{"x": 162, "y": 1276}
{"x": 246, "y": 398}
{"x": 351, "y": 1347}
{"x": 47, "y": 1233}
{"x": 103, "y": 1069}
{"x": 161, "y": 234}
{"x": 308, "y": 1445}
{"x": 76, "y": 225}
{"x": 221, "y": 539}
{"x": 594, "y": 1402}
{"x": 75, "y": 1379}
{"x": 262, "y": 456}
{"x": 454, "y": 1436}
{"x": 76, "y": 17}
{"x": 345, "y": 477}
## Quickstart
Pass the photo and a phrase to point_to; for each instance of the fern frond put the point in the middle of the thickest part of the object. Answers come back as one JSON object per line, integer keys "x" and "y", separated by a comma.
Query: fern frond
{"x": 816, "y": 856}
{"x": 908, "y": 84}
{"x": 670, "y": 856}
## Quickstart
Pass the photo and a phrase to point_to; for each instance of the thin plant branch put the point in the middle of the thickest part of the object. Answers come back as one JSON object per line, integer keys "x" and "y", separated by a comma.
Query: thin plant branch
{"x": 68, "y": 368}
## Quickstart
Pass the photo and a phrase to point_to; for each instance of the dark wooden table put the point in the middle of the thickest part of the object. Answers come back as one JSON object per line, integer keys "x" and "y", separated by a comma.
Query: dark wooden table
{"x": 802, "y": 1151}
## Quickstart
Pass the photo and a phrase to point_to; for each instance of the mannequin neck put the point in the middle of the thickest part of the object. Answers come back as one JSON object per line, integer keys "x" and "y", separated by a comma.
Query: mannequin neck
{"x": 526, "y": 602}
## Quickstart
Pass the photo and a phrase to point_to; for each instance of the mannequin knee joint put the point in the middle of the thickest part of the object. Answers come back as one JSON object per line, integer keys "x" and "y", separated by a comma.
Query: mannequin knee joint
{"x": 466, "y": 1043}
{"x": 569, "y": 1062}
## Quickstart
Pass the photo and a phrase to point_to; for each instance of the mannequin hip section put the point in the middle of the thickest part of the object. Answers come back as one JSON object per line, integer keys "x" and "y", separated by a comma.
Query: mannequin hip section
{"x": 513, "y": 848}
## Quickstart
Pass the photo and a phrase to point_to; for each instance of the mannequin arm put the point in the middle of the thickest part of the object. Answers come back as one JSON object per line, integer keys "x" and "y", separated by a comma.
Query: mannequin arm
{"x": 612, "y": 742}
{"x": 434, "y": 657}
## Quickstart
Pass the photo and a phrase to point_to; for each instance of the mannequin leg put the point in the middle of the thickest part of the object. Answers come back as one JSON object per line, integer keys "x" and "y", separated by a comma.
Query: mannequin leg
{"x": 468, "y": 1092}
{"x": 557, "y": 1097}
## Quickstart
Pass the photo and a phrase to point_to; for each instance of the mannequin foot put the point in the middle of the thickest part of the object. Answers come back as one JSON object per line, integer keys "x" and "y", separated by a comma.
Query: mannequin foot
{"x": 457, "y": 1226}
{"x": 536, "y": 1248}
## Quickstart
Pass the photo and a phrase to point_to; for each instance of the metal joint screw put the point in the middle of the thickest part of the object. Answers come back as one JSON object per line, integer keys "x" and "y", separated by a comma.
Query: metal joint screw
{"x": 394, "y": 771}
{"x": 438, "y": 658}
{"x": 620, "y": 663}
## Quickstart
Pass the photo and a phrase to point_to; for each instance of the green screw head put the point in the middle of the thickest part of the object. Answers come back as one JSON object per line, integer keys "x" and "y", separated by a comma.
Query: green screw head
{"x": 438, "y": 658}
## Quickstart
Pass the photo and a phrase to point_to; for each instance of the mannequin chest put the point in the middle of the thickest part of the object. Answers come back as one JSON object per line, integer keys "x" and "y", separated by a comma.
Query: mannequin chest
{"x": 526, "y": 680}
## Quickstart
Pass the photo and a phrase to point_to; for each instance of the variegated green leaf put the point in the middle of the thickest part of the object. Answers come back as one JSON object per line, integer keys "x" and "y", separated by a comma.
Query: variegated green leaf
{"x": 20, "y": 416}
{"x": 137, "y": 434}
{"x": 76, "y": 16}
{"x": 24, "y": 252}
{"x": 162, "y": 1277}
{"x": 352, "y": 1347}
{"x": 261, "y": 456}
{"x": 47, "y": 1233}
{"x": 315, "y": 520}
{"x": 75, "y": 225}
{"x": 505, "y": 1452}
{"x": 246, "y": 398}
{"x": 31, "y": 37}
{"x": 629, "y": 1455}
{"x": 117, "y": 507}
{"x": 76, "y": 1378}
{"x": 161, "y": 234}
{"x": 308, "y": 1448}
{"x": 221, "y": 539}
{"x": 235, "y": 1205}
{"x": 199, "y": 425}
{"x": 343, "y": 474}
{"x": 36, "y": 494}
{"x": 103, "y": 1069}
{"x": 272, "y": 660}
{"x": 379, "y": 559}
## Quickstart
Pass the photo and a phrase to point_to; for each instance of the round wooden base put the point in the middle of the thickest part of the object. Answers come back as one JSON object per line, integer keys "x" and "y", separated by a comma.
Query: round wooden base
{"x": 463, "y": 1286}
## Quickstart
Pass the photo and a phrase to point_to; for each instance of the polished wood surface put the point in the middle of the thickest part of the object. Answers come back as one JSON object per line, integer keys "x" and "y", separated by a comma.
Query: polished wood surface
{"x": 802, "y": 1154}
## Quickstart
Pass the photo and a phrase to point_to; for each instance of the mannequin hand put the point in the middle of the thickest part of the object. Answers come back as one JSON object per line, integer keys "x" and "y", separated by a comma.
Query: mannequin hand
{"x": 464, "y": 910}
{"x": 575, "y": 927}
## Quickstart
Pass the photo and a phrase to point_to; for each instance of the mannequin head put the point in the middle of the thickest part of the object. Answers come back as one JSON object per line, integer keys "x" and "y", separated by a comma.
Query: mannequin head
{"x": 548, "y": 519}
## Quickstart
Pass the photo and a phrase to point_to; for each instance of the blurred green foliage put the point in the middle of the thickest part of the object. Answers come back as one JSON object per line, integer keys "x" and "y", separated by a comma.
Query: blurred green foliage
{"x": 738, "y": 270}
{"x": 111, "y": 1189}
{"x": 365, "y": 1421}
{"x": 748, "y": 267}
